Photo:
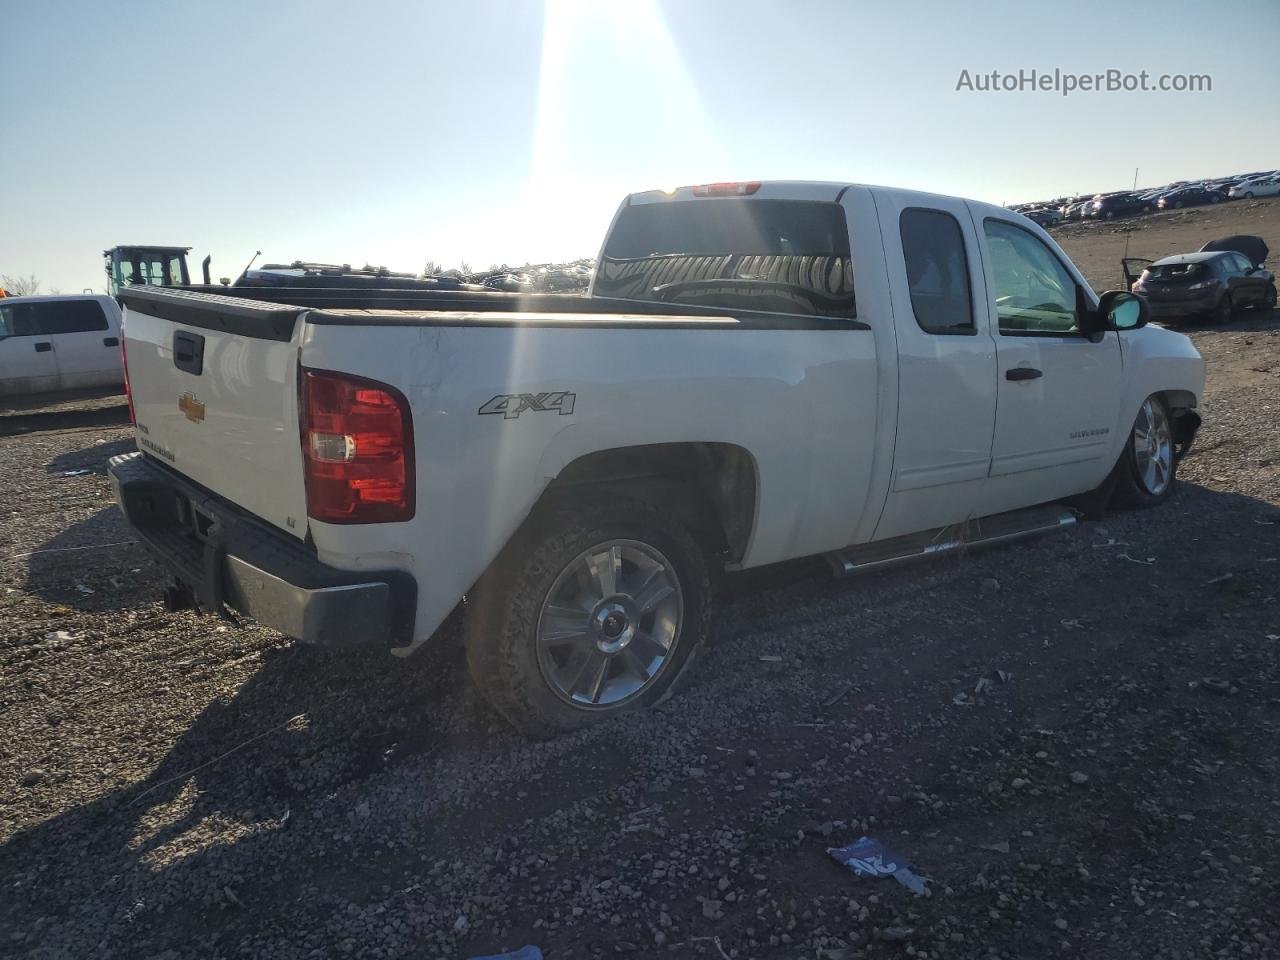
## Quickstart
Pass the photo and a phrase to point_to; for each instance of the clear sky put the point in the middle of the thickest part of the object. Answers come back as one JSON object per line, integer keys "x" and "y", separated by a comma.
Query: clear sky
{"x": 393, "y": 131}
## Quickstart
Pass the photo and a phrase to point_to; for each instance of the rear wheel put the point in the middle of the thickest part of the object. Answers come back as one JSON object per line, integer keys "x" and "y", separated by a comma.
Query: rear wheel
{"x": 1269, "y": 298}
{"x": 596, "y": 609}
{"x": 1148, "y": 466}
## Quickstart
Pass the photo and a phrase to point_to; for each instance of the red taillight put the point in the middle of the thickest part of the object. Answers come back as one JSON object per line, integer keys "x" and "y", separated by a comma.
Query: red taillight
{"x": 740, "y": 189}
{"x": 357, "y": 445}
{"x": 128, "y": 394}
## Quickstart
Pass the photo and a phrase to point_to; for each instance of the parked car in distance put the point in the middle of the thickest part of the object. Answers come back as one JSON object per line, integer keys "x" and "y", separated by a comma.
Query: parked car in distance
{"x": 371, "y": 468}
{"x": 1045, "y": 216}
{"x": 1259, "y": 187}
{"x": 1211, "y": 284}
{"x": 1106, "y": 206}
{"x": 1195, "y": 196}
{"x": 59, "y": 343}
{"x": 1074, "y": 210}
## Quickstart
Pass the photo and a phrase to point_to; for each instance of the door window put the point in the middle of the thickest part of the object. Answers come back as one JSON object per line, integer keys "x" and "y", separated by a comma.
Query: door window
{"x": 1035, "y": 295}
{"x": 937, "y": 271}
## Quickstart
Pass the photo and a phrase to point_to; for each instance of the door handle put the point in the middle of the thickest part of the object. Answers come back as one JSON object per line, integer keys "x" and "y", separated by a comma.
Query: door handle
{"x": 1023, "y": 373}
{"x": 111, "y": 341}
{"x": 44, "y": 346}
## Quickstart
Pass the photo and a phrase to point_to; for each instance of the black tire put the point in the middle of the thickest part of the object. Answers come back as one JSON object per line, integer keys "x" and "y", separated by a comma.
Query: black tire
{"x": 1178, "y": 205}
{"x": 1131, "y": 489}
{"x": 1249, "y": 195}
{"x": 1269, "y": 299}
{"x": 1222, "y": 312}
{"x": 504, "y": 610}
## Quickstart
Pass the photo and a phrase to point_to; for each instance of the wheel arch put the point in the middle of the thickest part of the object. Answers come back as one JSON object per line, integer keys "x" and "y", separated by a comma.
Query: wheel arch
{"x": 712, "y": 487}
{"x": 1186, "y": 421}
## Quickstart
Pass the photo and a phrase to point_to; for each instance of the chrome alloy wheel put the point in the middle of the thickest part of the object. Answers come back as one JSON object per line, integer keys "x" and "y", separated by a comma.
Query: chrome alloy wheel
{"x": 609, "y": 623}
{"x": 1153, "y": 447}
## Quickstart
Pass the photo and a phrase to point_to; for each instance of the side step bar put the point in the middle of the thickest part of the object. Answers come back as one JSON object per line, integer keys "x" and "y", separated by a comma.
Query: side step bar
{"x": 972, "y": 534}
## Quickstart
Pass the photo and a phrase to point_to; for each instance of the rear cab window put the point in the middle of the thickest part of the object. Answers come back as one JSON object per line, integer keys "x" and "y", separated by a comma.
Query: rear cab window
{"x": 777, "y": 256}
{"x": 937, "y": 271}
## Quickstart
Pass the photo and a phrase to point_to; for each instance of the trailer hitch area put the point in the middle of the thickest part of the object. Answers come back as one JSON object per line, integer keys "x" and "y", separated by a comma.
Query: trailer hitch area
{"x": 178, "y": 597}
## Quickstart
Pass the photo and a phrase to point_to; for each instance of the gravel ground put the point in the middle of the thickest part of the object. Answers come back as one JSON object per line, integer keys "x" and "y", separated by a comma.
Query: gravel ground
{"x": 99, "y": 407}
{"x": 1030, "y": 727}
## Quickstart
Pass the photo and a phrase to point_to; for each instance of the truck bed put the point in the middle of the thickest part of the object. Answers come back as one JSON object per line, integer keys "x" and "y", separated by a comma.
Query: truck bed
{"x": 271, "y": 312}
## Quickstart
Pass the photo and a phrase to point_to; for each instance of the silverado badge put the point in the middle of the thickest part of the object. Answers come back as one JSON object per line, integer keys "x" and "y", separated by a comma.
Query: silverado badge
{"x": 192, "y": 408}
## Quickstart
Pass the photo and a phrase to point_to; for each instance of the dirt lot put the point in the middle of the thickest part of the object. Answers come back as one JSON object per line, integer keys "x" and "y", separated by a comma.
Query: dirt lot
{"x": 1029, "y": 727}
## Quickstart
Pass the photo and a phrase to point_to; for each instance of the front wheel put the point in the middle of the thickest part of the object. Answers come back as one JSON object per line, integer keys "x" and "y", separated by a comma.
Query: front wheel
{"x": 1148, "y": 467}
{"x": 597, "y": 608}
{"x": 1222, "y": 312}
{"x": 1269, "y": 298}
{"x": 1249, "y": 195}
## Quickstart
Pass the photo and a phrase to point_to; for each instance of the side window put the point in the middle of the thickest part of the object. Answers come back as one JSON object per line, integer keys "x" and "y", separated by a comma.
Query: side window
{"x": 937, "y": 271}
{"x": 1243, "y": 265}
{"x": 20, "y": 319}
{"x": 67, "y": 316}
{"x": 1034, "y": 292}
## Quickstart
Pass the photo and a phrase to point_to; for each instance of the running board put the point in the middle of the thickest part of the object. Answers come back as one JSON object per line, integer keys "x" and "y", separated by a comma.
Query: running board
{"x": 972, "y": 534}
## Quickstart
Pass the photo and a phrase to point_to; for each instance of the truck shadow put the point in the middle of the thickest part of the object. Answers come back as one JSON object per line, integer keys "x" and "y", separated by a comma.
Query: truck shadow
{"x": 261, "y": 765}
{"x": 92, "y": 564}
{"x": 92, "y": 458}
{"x": 304, "y": 724}
{"x": 95, "y": 565}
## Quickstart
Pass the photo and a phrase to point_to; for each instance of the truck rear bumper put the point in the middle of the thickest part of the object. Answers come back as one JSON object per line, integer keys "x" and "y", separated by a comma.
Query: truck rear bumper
{"x": 227, "y": 557}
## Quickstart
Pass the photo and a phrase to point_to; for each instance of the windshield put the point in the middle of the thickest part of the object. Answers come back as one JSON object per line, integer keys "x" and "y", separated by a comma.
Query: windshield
{"x": 787, "y": 256}
{"x": 148, "y": 267}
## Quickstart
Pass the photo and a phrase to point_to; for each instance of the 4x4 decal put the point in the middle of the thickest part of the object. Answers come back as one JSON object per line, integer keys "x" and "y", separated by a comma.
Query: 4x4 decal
{"x": 511, "y": 405}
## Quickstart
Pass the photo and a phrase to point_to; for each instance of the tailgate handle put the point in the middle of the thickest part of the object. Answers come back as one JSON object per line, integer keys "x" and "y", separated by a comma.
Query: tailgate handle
{"x": 111, "y": 341}
{"x": 44, "y": 346}
{"x": 188, "y": 352}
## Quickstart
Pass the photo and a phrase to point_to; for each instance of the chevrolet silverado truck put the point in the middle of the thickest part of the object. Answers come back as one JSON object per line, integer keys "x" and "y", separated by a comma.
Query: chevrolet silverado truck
{"x": 760, "y": 372}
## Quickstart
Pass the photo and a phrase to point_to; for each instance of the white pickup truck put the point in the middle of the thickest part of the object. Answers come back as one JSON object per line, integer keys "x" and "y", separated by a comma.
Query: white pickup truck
{"x": 58, "y": 343}
{"x": 762, "y": 371}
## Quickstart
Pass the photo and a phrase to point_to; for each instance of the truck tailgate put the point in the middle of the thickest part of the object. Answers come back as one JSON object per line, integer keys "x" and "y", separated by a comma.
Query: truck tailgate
{"x": 214, "y": 382}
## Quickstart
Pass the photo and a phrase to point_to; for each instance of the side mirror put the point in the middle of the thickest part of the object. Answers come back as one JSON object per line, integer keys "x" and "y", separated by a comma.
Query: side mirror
{"x": 1122, "y": 311}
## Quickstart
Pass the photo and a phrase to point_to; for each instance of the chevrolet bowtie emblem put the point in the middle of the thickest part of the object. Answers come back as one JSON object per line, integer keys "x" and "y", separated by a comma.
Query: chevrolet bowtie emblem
{"x": 191, "y": 407}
